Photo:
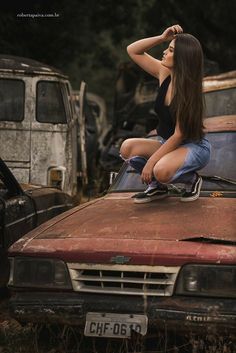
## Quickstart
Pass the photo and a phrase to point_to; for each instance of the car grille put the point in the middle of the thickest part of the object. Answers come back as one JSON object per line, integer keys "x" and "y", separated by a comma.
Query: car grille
{"x": 123, "y": 279}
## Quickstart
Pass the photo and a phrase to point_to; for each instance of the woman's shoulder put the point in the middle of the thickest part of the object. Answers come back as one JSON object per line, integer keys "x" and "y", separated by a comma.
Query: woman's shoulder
{"x": 165, "y": 81}
{"x": 163, "y": 75}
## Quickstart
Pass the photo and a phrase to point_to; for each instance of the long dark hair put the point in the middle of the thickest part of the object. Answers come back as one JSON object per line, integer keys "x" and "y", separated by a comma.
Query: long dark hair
{"x": 188, "y": 104}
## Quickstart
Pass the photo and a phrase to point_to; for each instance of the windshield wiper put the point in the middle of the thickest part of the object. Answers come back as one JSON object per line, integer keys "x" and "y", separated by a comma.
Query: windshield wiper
{"x": 216, "y": 178}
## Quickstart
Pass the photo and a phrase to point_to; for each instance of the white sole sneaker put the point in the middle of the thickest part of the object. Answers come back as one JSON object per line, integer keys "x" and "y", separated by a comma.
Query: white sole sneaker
{"x": 151, "y": 198}
{"x": 195, "y": 192}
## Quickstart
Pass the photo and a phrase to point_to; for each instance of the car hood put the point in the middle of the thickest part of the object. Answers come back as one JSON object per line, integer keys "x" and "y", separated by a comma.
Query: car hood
{"x": 115, "y": 225}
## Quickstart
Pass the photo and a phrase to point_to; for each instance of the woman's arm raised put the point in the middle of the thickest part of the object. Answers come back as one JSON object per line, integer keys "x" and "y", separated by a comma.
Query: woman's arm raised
{"x": 137, "y": 51}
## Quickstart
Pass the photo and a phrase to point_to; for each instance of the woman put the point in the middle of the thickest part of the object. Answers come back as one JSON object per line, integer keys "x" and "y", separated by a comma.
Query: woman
{"x": 180, "y": 148}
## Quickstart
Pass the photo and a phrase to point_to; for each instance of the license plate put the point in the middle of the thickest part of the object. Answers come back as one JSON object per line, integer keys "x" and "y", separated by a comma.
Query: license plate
{"x": 114, "y": 325}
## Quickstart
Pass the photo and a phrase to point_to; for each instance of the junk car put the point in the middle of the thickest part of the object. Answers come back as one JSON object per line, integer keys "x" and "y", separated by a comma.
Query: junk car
{"x": 118, "y": 270}
{"x": 22, "y": 208}
{"x": 94, "y": 126}
{"x": 134, "y": 115}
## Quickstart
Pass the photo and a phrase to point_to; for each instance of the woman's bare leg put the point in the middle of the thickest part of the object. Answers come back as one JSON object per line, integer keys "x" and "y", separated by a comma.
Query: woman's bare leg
{"x": 138, "y": 147}
{"x": 167, "y": 166}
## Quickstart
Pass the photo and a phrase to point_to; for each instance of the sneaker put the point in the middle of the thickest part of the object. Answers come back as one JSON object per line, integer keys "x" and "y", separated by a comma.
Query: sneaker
{"x": 195, "y": 190}
{"x": 151, "y": 194}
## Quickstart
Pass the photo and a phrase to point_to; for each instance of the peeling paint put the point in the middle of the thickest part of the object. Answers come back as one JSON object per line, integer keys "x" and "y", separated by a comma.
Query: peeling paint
{"x": 32, "y": 147}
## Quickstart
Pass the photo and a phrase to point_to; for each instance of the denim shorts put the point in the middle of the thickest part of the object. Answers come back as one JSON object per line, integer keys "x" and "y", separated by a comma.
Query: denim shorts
{"x": 197, "y": 157}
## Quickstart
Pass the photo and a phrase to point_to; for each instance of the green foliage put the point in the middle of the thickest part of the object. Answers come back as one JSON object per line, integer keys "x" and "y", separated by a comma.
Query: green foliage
{"x": 88, "y": 40}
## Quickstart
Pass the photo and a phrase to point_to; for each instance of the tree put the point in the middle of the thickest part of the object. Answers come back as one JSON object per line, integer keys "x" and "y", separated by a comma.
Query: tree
{"x": 88, "y": 39}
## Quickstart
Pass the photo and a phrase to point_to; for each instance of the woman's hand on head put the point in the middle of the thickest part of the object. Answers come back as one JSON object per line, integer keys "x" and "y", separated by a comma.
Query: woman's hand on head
{"x": 171, "y": 32}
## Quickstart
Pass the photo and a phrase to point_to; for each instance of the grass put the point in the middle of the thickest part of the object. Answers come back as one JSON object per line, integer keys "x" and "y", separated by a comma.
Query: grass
{"x": 16, "y": 338}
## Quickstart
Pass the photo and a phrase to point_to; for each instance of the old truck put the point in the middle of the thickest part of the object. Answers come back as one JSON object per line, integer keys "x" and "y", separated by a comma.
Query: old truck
{"x": 38, "y": 123}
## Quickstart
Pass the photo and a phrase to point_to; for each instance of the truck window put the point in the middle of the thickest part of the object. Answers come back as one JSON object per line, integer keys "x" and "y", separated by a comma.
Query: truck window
{"x": 12, "y": 97}
{"x": 49, "y": 106}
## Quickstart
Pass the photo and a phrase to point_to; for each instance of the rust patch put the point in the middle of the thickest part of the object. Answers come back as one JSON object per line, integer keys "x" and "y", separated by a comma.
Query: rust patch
{"x": 220, "y": 123}
{"x": 222, "y": 81}
{"x": 216, "y": 194}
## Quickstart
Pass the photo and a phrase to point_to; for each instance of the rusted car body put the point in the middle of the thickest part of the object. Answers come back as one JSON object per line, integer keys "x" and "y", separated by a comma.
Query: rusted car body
{"x": 23, "y": 208}
{"x": 116, "y": 269}
{"x": 93, "y": 128}
{"x": 99, "y": 109}
{"x": 38, "y": 123}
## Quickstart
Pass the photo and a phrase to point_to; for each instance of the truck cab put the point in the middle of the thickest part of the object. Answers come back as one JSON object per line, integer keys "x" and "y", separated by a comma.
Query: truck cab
{"x": 38, "y": 123}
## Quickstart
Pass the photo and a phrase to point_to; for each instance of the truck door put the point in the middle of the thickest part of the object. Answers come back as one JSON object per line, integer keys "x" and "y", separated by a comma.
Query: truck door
{"x": 15, "y": 126}
{"x": 51, "y": 140}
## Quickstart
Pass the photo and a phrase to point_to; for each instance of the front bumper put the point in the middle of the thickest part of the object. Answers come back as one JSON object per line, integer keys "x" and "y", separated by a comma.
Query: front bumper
{"x": 180, "y": 313}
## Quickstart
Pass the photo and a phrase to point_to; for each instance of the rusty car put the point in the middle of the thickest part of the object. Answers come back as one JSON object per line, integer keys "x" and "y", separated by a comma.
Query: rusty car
{"x": 115, "y": 270}
{"x": 134, "y": 115}
{"x": 96, "y": 127}
{"x": 23, "y": 207}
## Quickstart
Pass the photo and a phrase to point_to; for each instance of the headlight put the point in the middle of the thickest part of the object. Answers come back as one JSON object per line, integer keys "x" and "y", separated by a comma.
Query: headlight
{"x": 207, "y": 280}
{"x": 40, "y": 273}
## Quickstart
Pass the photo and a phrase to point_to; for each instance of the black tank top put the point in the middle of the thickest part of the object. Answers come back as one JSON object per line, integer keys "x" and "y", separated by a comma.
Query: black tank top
{"x": 166, "y": 126}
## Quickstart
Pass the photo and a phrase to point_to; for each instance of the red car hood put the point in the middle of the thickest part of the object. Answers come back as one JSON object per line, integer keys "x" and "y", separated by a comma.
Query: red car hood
{"x": 115, "y": 225}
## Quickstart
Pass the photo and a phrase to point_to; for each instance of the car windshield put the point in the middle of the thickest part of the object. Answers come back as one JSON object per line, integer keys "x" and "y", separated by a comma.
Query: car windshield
{"x": 222, "y": 164}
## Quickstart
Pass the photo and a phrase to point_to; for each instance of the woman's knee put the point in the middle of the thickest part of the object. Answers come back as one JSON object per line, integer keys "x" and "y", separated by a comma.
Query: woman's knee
{"x": 126, "y": 148}
{"x": 138, "y": 147}
{"x": 162, "y": 174}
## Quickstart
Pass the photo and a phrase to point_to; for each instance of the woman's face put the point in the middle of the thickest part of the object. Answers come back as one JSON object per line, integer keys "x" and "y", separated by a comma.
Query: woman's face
{"x": 168, "y": 56}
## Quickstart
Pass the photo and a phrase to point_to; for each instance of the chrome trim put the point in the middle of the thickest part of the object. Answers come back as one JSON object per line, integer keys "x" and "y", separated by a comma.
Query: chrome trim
{"x": 46, "y": 210}
{"x": 123, "y": 279}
